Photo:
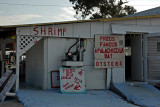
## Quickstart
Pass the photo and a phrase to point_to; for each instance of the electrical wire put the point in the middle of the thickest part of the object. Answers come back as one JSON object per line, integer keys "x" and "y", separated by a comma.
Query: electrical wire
{"x": 58, "y": 5}
{"x": 32, "y": 5}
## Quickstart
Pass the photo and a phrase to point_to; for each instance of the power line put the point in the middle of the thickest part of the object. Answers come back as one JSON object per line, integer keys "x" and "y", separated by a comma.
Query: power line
{"x": 59, "y": 5}
{"x": 32, "y": 5}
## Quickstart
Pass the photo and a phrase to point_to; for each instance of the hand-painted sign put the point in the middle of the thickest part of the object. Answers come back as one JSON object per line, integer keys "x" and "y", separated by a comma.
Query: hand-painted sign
{"x": 52, "y": 30}
{"x": 48, "y": 31}
{"x": 72, "y": 80}
{"x": 109, "y": 51}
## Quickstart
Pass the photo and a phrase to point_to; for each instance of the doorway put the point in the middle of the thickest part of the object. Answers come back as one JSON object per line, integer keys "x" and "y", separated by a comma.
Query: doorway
{"x": 133, "y": 57}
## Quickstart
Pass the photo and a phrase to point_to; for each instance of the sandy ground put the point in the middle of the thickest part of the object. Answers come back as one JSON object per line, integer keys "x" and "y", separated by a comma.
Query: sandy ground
{"x": 11, "y": 102}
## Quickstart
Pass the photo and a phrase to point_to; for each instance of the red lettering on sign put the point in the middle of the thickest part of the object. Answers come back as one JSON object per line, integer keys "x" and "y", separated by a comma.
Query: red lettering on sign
{"x": 112, "y": 63}
{"x": 64, "y": 30}
{"x": 108, "y": 44}
{"x": 59, "y": 31}
{"x": 77, "y": 80}
{"x": 35, "y": 29}
{"x": 69, "y": 73}
{"x": 120, "y": 63}
{"x": 104, "y": 63}
{"x": 65, "y": 84}
{"x": 65, "y": 77}
{"x": 109, "y": 50}
{"x": 80, "y": 72}
{"x": 106, "y": 56}
{"x": 105, "y": 38}
{"x": 108, "y": 63}
{"x": 54, "y": 31}
{"x": 97, "y": 63}
{"x": 50, "y": 31}
{"x": 35, "y": 41}
{"x": 116, "y": 63}
{"x": 77, "y": 87}
{"x": 69, "y": 86}
{"x": 43, "y": 31}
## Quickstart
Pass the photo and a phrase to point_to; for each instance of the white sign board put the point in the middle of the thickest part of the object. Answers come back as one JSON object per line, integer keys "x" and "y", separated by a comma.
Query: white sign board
{"x": 109, "y": 51}
{"x": 57, "y": 31}
{"x": 72, "y": 80}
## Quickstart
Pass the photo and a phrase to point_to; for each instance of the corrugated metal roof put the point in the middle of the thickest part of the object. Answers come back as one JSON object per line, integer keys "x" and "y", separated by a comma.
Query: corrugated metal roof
{"x": 150, "y": 12}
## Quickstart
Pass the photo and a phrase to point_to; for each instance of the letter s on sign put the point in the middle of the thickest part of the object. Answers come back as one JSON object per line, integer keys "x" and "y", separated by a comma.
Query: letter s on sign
{"x": 35, "y": 29}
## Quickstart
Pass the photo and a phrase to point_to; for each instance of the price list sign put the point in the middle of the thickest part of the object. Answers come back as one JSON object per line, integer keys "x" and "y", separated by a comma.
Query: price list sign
{"x": 109, "y": 51}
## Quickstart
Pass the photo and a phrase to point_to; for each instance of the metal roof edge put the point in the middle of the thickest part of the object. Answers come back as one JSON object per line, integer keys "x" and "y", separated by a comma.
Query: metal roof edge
{"x": 81, "y": 21}
{"x": 131, "y": 18}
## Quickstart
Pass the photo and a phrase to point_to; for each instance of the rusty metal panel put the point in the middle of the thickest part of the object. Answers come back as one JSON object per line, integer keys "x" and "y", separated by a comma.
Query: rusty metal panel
{"x": 82, "y": 30}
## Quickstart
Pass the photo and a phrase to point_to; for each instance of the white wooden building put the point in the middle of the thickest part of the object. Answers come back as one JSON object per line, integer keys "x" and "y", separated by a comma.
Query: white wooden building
{"x": 45, "y": 46}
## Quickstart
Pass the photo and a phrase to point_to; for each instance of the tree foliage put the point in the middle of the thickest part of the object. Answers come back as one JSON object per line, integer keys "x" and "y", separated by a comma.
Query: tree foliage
{"x": 102, "y": 8}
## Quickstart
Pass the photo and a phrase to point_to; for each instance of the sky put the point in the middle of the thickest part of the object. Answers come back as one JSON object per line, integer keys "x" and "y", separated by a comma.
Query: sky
{"x": 13, "y": 12}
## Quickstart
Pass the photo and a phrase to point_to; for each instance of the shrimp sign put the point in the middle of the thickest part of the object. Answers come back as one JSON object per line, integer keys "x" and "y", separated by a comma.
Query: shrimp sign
{"x": 72, "y": 80}
{"x": 109, "y": 51}
{"x": 53, "y": 31}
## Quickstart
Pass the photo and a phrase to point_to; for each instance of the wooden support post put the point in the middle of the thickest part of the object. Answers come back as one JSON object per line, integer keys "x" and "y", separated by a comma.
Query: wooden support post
{"x": 17, "y": 62}
{"x": 145, "y": 56}
{"x": 2, "y": 57}
{"x": 17, "y": 72}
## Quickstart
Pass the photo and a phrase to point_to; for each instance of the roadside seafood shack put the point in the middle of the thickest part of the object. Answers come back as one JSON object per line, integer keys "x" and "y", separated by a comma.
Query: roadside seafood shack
{"x": 87, "y": 54}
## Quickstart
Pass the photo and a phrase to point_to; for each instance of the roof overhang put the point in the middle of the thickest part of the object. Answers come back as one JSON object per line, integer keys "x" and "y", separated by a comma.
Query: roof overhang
{"x": 81, "y": 21}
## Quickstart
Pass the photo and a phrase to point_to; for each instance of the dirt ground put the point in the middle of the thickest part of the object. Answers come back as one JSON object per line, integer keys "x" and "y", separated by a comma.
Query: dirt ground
{"x": 11, "y": 102}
